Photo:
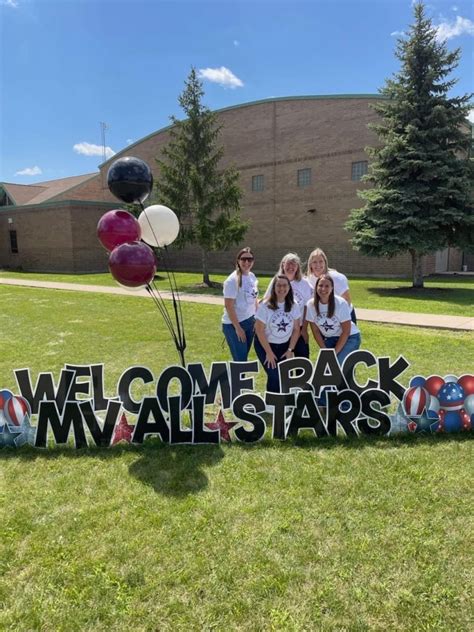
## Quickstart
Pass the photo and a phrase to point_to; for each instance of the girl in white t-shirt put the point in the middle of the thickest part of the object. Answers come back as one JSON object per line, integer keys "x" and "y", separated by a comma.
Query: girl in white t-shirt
{"x": 330, "y": 319}
{"x": 290, "y": 266}
{"x": 318, "y": 265}
{"x": 240, "y": 305}
{"x": 277, "y": 328}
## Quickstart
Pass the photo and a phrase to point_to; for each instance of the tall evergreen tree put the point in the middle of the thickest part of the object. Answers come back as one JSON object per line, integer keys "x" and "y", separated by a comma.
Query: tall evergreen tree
{"x": 421, "y": 197}
{"x": 205, "y": 197}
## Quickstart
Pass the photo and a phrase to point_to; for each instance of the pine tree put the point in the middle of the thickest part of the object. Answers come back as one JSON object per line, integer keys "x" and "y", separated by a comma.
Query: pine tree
{"x": 205, "y": 197}
{"x": 421, "y": 200}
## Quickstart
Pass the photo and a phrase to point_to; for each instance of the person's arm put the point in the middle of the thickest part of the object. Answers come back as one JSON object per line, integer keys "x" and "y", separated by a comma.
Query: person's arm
{"x": 347, "y": 297}
{"x": 304, "y": 328}
{"x": 346, "y": 330}
{"x": 230, "y": 308}
{"x": 290, "y": 352}
{"x": 271, "y": 359}
{"x": 317, "y": 335}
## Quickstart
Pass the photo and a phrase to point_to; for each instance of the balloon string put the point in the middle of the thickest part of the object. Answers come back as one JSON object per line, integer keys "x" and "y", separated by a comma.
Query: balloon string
{"x": 176, "y": 304}
{"x": 162, "y": 309}
{"x": 161, "y": 305}
{"x": 179, "y": 337}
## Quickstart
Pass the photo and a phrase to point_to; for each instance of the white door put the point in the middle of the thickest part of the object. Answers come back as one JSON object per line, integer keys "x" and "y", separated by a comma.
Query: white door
{"x": 441, "y": 263}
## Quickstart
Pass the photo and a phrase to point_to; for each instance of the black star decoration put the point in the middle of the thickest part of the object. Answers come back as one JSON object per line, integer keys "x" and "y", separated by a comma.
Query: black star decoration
{"x": 282, "y": 325}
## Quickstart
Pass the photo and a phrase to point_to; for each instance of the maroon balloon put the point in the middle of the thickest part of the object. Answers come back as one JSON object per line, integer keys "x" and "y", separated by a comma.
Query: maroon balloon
{"x": 118, "y": 227}
{"x": 132, "y": 264}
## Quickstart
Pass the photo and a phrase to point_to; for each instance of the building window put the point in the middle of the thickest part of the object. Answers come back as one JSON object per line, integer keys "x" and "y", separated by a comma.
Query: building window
{"x": 257, "y": 183}
{"x": 304, "y": 177}
{"x": 359, "y": 169}
{"x": 13, "y": 242}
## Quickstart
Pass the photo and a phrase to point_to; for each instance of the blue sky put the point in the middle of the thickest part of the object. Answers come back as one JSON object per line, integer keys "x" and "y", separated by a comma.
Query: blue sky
{"x": 67, "y": 65}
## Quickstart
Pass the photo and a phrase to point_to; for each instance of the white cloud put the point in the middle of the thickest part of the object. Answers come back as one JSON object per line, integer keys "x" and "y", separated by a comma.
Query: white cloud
{"x": 454, "y": 8}
{"x": 470, "y": 116}
{"x": 89, "y": 149}
{"x": 129, "y": 141}
{"x": 236, "y": 43}
{"x": 223, "y": 76}
{"x": 397, "y": 33}
{"x": 461, "y": 26}
{"x": 29, "y": 171}
{"x": 10, "y": 3}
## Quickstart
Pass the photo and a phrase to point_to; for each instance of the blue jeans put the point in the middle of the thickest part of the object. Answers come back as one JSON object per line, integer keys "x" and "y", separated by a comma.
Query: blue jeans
{"x": 273, "y": 379}
{"x": 238, "y": 349}
{"x": 352, "y": 343}
{"x": 301, "y": 348}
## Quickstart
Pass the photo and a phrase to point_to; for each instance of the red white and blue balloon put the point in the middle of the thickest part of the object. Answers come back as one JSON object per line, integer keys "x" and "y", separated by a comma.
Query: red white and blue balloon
{"x": 415, "y": 401}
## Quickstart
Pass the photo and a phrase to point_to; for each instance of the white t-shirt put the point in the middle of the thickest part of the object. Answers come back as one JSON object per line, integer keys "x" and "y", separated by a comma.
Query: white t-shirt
{"x": 245, "y": 296}
{"x": 302, "y": 292}
{"x": 331, "y": 326}
{"x": 341, "y": 283}
{"x": 278, "y": 323}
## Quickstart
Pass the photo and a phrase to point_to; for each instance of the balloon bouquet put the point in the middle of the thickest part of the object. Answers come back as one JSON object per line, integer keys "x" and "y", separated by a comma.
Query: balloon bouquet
{"x": 439, "y": 404}
{"x": 132, "y": 262}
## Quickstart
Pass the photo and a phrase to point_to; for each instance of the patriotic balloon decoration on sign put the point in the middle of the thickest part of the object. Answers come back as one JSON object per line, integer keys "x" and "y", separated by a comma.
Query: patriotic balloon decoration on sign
{"x": 416, "y": 401}
{"x": 440, "y": 404}
{"x": 15, "y": 426}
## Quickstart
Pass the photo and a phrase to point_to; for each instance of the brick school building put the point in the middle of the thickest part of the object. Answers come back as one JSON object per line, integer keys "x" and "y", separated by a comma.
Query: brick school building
{"x": 300, "y": 160}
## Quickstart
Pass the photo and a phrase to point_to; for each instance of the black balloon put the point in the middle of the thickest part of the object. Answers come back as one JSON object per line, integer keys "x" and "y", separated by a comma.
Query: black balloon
{"x": 130, "y": 180}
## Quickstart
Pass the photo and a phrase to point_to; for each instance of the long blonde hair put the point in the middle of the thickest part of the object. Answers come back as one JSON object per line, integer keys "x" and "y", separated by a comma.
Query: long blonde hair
{"x": 317, "y": 252}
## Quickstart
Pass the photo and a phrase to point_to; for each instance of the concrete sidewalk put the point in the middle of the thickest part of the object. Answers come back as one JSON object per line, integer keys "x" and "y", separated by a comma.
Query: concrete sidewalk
{"x": 437, "y": 321}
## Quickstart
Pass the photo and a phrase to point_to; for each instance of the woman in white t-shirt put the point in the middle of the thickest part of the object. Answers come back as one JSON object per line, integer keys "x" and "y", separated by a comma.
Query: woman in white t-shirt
{"x": 318, "y": 265}
{"x": 277, "y": 328}
{"x": 290, "y": 266}
{"x": 240, "y": 305}
{"x": 330, "y": 319}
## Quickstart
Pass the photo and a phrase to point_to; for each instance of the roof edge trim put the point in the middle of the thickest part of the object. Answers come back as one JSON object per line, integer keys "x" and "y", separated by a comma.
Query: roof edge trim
{"x": 248, "y": 104}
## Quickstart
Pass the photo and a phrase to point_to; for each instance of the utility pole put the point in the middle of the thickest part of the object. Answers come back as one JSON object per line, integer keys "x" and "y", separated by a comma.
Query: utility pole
{"x": 103, "y": 127}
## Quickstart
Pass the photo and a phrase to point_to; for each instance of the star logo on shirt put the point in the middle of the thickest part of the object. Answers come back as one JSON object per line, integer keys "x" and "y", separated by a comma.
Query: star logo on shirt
{"x": 282, "y": 325}
{"x": 327, "y": 326}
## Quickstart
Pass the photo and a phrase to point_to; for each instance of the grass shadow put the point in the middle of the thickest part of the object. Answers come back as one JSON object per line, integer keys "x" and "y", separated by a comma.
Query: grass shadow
{"x": 455, "y": 296}
{"x": 170, "y": 470}
{"x": 176, "y": 470}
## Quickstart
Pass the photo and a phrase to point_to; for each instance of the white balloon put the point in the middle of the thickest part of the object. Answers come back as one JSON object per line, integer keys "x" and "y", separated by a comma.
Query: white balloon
{"x": 434, "y": 404}
{"x": 159, "y": 225}
{"x": 450, "y": 378}
{"x": 469, "y": 405}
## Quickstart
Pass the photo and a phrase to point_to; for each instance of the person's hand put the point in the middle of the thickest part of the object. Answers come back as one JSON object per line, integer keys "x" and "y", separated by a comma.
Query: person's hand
{"x": 271, "y": 360}
{"x": 240, "y": 334}
{"x": 288, "y": 354}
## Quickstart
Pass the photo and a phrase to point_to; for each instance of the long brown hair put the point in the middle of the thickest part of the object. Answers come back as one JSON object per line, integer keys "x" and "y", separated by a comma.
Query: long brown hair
{"x": 272, "y": 301}
{"x": 331, "y": 301}
{"x": 238, "y": 269}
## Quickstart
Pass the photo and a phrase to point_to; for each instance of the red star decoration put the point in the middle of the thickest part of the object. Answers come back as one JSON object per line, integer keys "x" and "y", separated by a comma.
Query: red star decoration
{"x": 123, "y": 432}
{"x": 412, "y": 426}
{"x": 222, "y": 425}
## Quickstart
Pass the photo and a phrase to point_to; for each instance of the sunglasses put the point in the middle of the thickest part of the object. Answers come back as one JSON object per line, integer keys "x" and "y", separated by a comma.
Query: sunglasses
{"x": 246, "y": 258}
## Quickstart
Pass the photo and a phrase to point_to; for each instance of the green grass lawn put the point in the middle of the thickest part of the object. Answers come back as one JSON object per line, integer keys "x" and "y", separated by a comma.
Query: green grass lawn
{"x": 441, "y": 295}
{"x": 304, "y": 535}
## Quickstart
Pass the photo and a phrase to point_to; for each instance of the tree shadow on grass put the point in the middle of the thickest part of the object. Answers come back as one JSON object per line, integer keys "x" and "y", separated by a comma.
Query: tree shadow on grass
{"x": 456, "y": 296}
